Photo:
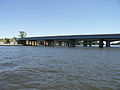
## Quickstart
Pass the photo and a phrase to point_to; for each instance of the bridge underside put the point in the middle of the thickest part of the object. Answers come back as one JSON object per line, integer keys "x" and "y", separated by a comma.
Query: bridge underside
{"x": 68, "y": 43}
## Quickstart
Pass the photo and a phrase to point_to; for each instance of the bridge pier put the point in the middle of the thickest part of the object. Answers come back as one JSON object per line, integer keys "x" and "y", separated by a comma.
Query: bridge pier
{"x": 65, "y": 43}
{"x": 84, "y": 43}
{"x": 28, "y": 43}
{"x": 101, "y": 43}
{"x": 23, "y": 42}
{"x": 60, "y": 43}
{"x": 50, "y": 43}
{"x": 90, "y": 43}
{"x": 36, "y": 43}
{"x": 71, "y": 43}
{"x": 45, "y": 43}
{"x": 33, "y": 43}
{"x": 107, "y": 43}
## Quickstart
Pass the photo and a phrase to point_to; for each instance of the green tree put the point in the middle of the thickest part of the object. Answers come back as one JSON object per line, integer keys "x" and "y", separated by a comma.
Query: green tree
{"x": 7, "y": 41}
{"x": 22, "y": 34}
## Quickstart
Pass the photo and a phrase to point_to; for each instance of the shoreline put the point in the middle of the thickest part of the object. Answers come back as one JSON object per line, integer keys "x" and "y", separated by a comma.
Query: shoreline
{"x": 10, "y": 45}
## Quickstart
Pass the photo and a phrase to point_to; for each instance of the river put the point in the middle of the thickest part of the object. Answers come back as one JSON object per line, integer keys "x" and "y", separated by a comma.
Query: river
{"x": 59, "y": 68}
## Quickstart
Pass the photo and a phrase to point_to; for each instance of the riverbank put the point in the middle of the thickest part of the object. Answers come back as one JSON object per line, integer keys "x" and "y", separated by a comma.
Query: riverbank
{"x": 10, "y": 45}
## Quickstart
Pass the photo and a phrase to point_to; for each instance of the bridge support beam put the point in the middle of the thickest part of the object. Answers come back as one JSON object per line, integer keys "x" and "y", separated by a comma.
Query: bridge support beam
{"x": 84, "y": 43}
{"x": 107, "y": 43}
{"x": 101, "y": 43}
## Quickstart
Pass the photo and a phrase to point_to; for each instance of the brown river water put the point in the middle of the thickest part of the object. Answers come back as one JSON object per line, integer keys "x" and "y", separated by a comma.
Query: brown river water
{"x": 59, "y": 68}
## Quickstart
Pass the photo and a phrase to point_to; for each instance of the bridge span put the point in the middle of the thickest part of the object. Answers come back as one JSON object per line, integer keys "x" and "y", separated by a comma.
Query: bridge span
{"x": 70, "y": 40}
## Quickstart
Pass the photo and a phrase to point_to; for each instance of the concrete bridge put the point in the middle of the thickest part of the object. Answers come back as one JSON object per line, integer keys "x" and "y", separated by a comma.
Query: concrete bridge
{"x": 70, "y": 40}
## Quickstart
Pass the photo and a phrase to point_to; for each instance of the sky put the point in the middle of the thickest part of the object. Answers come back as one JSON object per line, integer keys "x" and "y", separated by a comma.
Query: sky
{"x": 59, "y": 17}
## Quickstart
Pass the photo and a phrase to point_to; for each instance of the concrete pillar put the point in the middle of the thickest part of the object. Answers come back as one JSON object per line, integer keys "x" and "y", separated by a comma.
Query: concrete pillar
{"x": 84, "y": 43}
{"x": 68, "y": 43}
{"x": 65, "y": 43}
{"x": 71, "y": 43}
{"x": 31, "y": 43}
{"x": 34, "y": 43}
{"x": 49, "y": 43}
{"x": 101, "y": 43}
{"x": 28, "y": 42}
{"x": 23, "y": 42}
{"x": 45, "y": 43}
{"x": 53, "y": 43}
{"x": 107, "y": 43}
{"x": 90, "y": 44}
{"x": 60, "y": 43}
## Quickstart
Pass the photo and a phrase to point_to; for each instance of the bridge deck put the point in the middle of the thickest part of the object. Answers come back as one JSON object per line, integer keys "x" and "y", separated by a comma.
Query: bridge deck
{"x": 82, "y": 37}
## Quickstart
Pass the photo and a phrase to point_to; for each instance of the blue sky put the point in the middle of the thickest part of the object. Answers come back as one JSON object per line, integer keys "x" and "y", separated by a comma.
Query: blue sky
{"x": 59, "y": 17}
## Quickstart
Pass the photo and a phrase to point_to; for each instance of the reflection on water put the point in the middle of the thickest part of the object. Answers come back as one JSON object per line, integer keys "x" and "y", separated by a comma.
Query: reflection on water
{"x": 55, "y": 68}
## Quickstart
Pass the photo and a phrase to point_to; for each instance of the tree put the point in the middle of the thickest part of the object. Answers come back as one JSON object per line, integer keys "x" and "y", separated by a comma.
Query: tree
{"x": 7, "y": 41}
{"x": 22, "y": 34}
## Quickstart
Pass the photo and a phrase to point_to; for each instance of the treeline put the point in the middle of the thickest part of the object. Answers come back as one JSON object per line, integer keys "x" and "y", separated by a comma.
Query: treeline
{"x": 8, "y": 40}
{"x": 2, "y": 40}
